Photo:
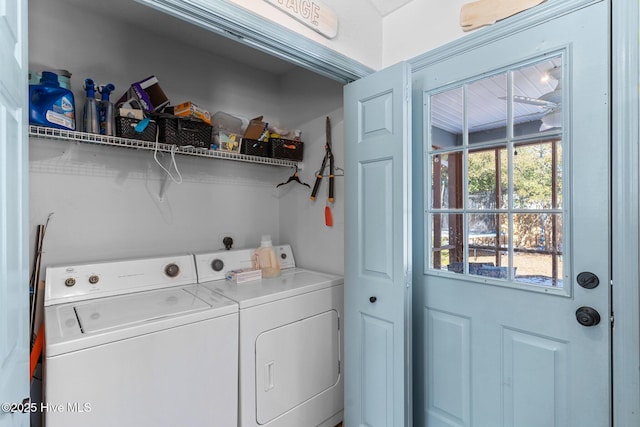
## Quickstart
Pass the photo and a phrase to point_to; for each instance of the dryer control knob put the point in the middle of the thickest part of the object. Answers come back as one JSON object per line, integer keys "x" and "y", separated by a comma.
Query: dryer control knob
{"x": 94, "y": 278}
{"x": 172, "y": 270}
{"x": 217, "y": 264}
{"x": 70, "y": 281}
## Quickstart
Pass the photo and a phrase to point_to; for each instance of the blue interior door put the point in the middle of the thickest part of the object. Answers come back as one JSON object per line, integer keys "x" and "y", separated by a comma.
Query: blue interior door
{"x": 377, "y": 250}
{"x": 14, "y": 218}
{"x": 513, "y": 294}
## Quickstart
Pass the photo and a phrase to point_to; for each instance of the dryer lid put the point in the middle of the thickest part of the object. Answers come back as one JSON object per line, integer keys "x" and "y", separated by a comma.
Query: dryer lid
{"x": 292, "y": 282}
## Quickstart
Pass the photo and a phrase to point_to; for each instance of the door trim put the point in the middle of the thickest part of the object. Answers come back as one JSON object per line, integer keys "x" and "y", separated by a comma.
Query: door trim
{"x": 525, "y": 20}
{"x": 243, "y": 26}
{"x": 624, "y": 212}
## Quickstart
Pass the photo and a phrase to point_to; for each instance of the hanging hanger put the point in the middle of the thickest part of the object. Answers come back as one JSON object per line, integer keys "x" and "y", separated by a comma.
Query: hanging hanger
{"x": 295, "y": 178}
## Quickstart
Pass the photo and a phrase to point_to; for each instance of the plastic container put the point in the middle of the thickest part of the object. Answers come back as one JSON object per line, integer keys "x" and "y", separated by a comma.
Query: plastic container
{"x": 50, "y": 105}
{"x": 265, "y": 258}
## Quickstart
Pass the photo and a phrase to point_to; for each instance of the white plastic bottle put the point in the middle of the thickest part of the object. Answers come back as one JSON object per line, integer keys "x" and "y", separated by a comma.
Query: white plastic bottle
{"x": 265, "y": 258}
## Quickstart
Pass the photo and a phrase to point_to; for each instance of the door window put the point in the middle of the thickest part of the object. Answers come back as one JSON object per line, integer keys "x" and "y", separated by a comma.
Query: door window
{"x": 495, "y": 210}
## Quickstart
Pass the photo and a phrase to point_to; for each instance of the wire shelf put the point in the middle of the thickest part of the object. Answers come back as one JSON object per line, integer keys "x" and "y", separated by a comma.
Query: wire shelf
{"x": 114, "y": 141}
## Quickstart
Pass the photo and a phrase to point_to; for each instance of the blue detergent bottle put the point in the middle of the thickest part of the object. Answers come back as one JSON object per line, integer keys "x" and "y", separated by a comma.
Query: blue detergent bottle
{"x": 51, "y": 105}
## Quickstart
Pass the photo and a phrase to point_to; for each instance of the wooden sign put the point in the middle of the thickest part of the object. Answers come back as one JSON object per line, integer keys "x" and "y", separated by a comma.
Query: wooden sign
{"x": 312, "y": 13}
{"x": 486, "y": 12}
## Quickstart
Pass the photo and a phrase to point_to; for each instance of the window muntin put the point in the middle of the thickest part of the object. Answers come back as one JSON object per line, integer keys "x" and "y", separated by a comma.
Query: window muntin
{"x": 495, "y": 210}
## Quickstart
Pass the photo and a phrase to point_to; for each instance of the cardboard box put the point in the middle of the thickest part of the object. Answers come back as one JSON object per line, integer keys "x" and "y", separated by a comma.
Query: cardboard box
{"x": 244, "y": 275}
{"x": 256, "y": 129}
{"x": 131, "y": 113}
{"x": 144, "y": 95}
{"x": 189, "y": 109}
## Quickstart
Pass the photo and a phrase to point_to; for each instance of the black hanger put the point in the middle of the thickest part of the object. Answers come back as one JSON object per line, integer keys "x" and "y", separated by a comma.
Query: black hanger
{"x": 294, "y": 177}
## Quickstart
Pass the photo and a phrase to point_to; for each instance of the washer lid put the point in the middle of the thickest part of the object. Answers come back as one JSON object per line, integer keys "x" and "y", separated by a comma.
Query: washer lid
{"x": 117, "y": 312}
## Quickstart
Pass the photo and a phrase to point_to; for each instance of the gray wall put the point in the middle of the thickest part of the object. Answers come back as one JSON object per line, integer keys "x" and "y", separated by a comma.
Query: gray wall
{"x": 106, "y": 201}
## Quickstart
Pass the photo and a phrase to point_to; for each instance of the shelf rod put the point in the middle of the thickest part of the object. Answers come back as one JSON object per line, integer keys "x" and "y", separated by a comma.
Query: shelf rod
{"x": 114, "y": 141}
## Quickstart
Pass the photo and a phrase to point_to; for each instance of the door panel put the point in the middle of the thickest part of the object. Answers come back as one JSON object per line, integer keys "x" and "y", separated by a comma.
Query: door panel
{"x": 514, "y": 209}
{"x": 377, "y": 250}
{"x": 14, "y": 284}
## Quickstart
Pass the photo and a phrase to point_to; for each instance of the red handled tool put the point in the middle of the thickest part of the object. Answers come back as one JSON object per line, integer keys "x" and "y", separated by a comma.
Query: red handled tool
{"x": 328, "y": 157}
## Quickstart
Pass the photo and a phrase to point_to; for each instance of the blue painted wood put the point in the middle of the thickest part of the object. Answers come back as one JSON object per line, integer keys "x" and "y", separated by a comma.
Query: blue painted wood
{"x": 503, "y": 318}
{"x": 378, "y": 250}
{"x": 14, "y": 213}
{"x": 625, "y": 212}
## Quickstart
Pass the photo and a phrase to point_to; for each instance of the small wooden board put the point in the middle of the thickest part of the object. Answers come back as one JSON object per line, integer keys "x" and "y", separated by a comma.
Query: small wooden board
{"x": 486, "y": 12}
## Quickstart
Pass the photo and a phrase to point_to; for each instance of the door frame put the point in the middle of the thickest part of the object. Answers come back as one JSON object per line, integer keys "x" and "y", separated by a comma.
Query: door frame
{"x": 624, "y": 212}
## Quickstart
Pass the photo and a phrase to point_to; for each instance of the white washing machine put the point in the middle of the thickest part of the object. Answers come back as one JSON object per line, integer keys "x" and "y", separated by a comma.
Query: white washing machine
{"x": 138, "y": 343}
{"x": 291, "y": 343}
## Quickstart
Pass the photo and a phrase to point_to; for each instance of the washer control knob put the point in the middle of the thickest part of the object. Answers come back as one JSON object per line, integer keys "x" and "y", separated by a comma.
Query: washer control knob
{"x": 70, "y": 281}
{"x": 283, "y": 255}
{"x": 373, "y": 299}
{"x": 172, "y": 270}
{"x": 227, "y": 242}
{"x": 94, "y": 278}
{"x": 217, "y": 264}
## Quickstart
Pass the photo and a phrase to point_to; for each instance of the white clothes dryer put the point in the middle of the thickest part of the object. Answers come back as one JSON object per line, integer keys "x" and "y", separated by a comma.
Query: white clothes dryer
{"x": 291, "y": 343}
{"x": 138, "y": 343}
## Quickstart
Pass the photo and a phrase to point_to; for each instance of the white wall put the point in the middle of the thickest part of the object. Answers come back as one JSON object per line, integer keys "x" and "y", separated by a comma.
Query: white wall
{"x": 106, "y": 201}
{"x": 418, "y": 27}
{"x": 302, "y": 221}
{"x": 359, "y": 28}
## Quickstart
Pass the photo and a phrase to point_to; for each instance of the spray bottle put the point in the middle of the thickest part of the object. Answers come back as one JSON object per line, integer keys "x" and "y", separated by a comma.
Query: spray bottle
{"x": 90, "y": 118}
{"x": 105, "y": 109}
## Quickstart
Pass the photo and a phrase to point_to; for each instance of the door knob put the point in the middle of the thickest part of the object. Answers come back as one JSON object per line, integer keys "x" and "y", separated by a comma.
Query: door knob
{"x": 587, "y": 316}
{"x": 373, "y": 299}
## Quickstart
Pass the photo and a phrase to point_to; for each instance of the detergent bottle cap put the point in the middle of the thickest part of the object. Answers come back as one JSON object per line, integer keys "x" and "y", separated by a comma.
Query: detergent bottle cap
{"x": 49, "y": 79}
{"x": 266, "y": 241}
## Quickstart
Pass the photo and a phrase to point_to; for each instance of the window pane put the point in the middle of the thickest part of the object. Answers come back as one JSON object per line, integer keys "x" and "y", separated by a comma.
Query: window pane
{"x": 447, "y": 242}
{"x": 537, "y": 97}
{"x": 487, "y": 245}
{"x": 447, "y": 118}
{"x": 537, "y": 240}
{"x": 488, "y": 184}
{"x": 487, "y": 109}
{"x": 536, "y": 173}
{"x": 446, "y": 181}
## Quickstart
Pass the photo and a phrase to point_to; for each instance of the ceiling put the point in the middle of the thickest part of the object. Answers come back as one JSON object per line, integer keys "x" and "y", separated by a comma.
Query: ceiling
{"x": 487, "y": 99}
{"x": 132, "y": 13}
{"x": 385, "y": 7}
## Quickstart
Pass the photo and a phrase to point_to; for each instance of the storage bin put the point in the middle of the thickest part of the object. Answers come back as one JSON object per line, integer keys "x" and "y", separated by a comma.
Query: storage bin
{"x": 125, "y": 128}
{"x": 253, "y": 147}
{"x": 286, "y": 149}
{"x": 184, "y": 131}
